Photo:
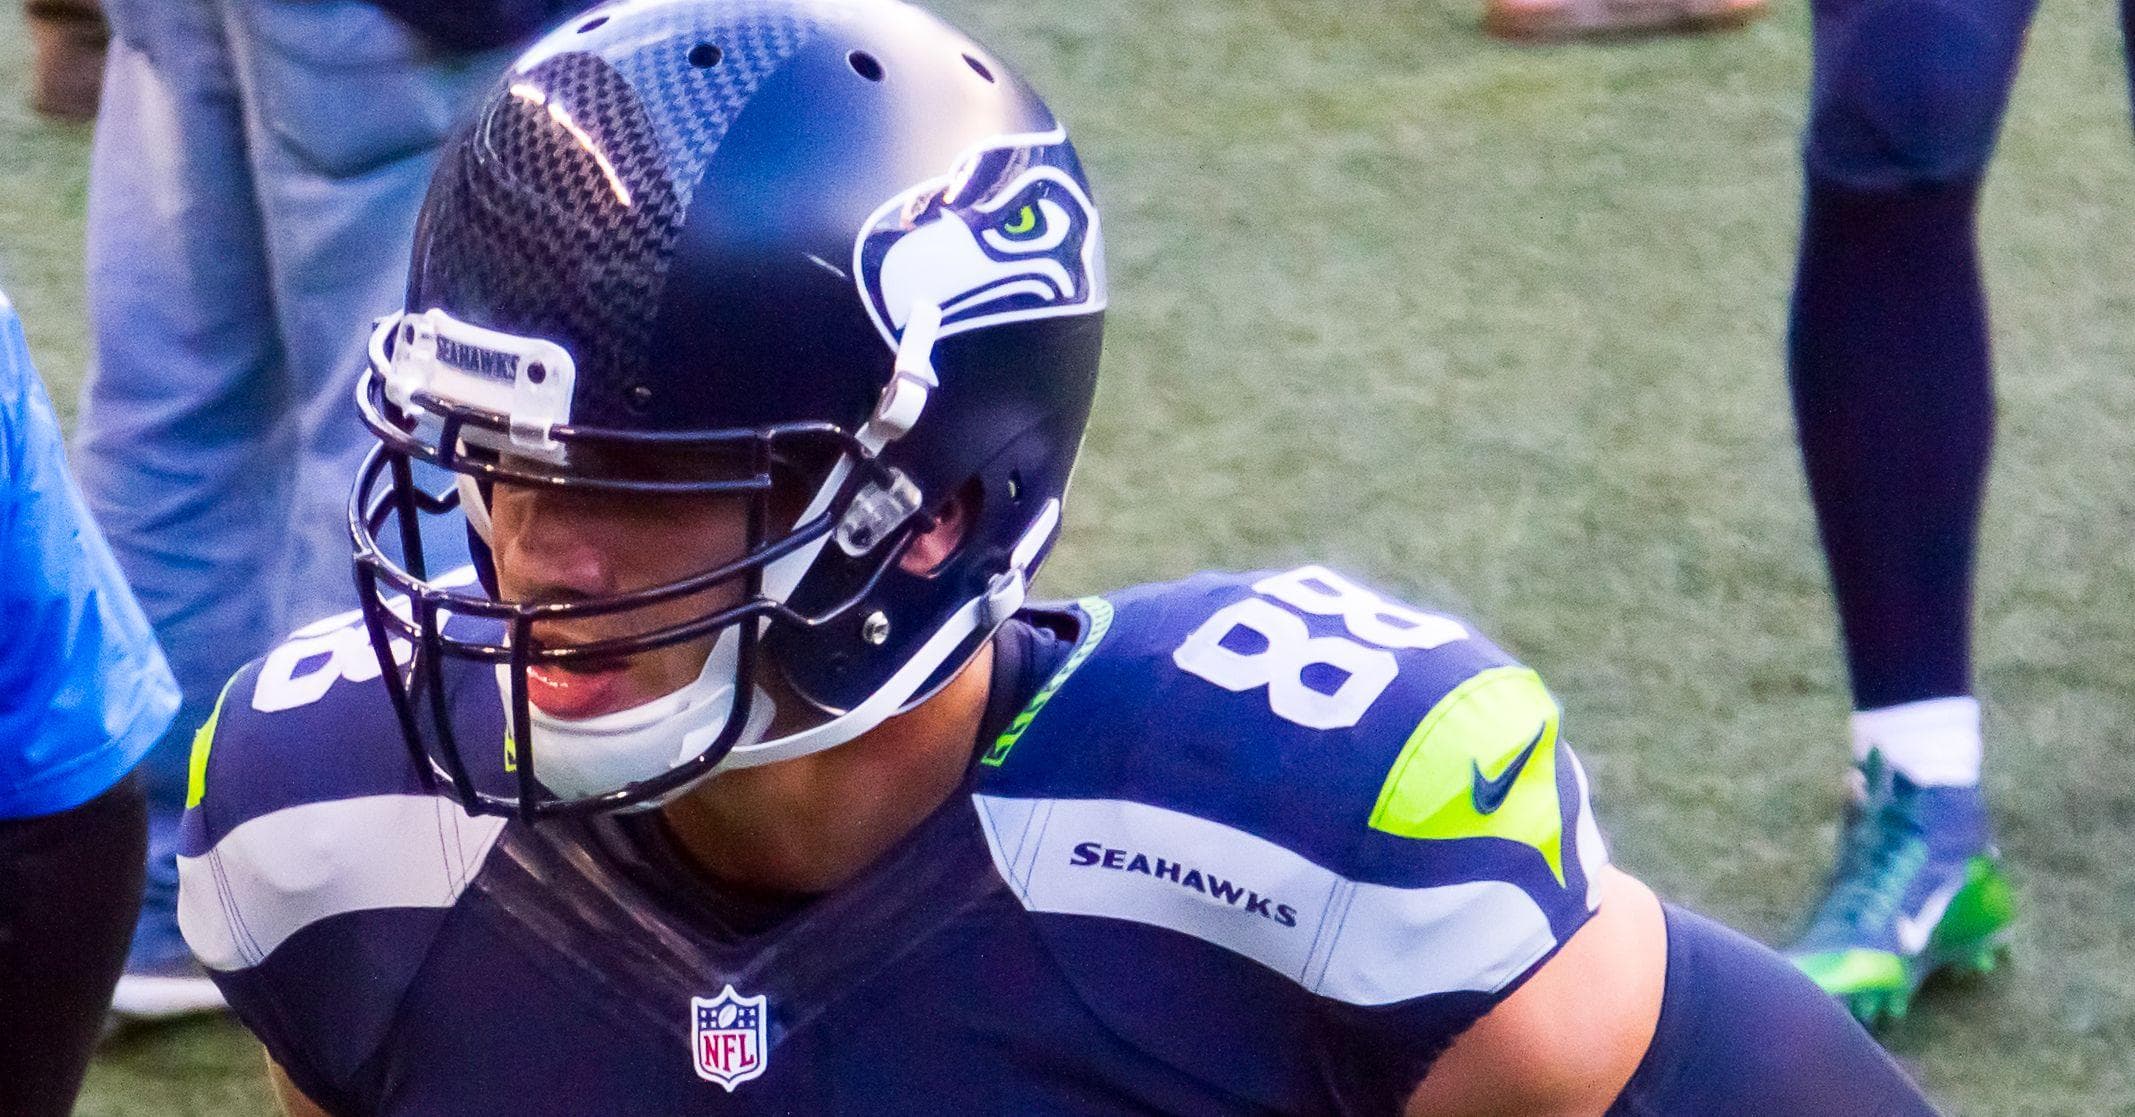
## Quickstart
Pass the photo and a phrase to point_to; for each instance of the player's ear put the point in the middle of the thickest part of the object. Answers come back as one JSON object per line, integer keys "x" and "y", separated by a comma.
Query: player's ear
{"x": 951, "y": 524}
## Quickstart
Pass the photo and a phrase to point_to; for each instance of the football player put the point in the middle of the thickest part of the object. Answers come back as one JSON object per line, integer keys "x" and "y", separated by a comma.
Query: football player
{"x": 739, "y": 775}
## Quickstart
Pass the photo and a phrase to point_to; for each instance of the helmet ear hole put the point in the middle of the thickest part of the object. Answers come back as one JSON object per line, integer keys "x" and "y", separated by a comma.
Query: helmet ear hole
{"x": 953, "y": 526}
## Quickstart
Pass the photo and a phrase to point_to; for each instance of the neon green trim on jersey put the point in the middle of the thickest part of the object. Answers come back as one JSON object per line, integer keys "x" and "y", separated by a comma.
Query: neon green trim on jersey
{"x": 1470, "y": 739}
{"x": 1100, "y": 613}
{"x": 196, "y": 766}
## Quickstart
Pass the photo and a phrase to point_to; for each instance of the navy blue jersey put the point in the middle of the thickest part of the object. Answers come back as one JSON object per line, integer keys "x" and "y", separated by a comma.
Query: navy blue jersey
{"x": 1256, "y": 844}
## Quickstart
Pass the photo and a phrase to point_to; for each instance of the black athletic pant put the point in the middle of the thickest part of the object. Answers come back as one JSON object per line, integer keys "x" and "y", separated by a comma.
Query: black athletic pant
{"x": 70, "y": 887}
{"x": 1744, "y": 1034}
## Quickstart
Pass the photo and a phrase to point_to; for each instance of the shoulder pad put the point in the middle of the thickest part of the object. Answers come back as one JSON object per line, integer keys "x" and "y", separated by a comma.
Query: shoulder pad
{"x": 315, "y": 868}
{"x": 305, "y": 723}
{"x": 1257, "y": 760}
{"x": 1274, "y": 703}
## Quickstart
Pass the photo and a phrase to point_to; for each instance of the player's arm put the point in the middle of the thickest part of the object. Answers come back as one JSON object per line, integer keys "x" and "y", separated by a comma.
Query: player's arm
{"x": 1650, "y": 1010}
{"x": 294, "y": 1103}
{"x": 1568, "y": 1040}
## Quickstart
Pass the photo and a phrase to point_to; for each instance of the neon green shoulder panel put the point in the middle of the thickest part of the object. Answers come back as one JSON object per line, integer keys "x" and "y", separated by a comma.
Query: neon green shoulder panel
{"x": 1482, "y": 764}
{"x": 196, "y": 767}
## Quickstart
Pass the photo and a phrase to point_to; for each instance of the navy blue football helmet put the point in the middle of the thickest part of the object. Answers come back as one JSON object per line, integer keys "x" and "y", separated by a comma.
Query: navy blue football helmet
{"x": 833, "y": 239}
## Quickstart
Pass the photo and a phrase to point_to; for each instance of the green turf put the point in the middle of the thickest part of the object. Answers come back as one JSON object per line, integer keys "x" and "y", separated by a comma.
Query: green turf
{"x": 44, "y": 175}
{"x": 1501, "y": 328}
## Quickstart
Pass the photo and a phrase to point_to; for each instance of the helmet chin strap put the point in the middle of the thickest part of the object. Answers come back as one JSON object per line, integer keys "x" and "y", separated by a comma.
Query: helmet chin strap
{"x": 577, "y": 757}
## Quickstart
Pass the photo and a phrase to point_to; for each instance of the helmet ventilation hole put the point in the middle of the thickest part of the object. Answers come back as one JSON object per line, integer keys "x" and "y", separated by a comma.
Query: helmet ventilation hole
{"x": 591, "y": 24}
{"x": 704, "y": 56}
{"x": 865, "y": 65}
{"x": 639, "y": 397}
{"x": 978, "y": 67}
{"x": 1015, "y": 484}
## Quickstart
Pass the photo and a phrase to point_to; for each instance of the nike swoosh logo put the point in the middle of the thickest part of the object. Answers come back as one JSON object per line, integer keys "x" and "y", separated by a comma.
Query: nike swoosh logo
{"x": 1914, "y": 930}
{"x": 1489, "y": 794}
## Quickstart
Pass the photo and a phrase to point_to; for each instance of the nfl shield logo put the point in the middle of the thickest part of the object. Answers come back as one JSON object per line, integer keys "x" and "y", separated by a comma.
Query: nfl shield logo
{"x": 727, "y": 1037}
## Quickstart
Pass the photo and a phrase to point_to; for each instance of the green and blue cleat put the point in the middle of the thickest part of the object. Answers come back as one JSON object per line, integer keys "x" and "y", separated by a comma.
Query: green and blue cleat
{"x": 1918, "y": 890}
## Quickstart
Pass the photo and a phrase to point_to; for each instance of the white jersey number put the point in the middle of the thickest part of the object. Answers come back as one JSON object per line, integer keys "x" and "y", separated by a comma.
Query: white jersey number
{"x": 1280, "y": 649}
{"x": 300, "y": 670}
{"x": 304, "y": 667}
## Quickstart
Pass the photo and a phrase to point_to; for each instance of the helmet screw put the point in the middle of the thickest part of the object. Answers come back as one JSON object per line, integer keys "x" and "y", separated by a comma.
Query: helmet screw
{"x": 875, "y": 629}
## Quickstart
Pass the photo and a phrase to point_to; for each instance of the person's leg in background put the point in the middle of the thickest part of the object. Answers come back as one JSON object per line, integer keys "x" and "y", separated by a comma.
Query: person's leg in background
{"x": 69, "y": 883}
{"x": 252, "y": 199}
{"x": 2127, "y": 44}
{"x": 67, "y": 40}
{"x": 1889, "y": 368}
{"x": 176, "y": 444}
{"x": 338, "y": 193}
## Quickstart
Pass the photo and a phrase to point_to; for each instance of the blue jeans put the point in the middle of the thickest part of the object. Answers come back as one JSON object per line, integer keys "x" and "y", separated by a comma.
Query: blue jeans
{"x": 253, "y": 189}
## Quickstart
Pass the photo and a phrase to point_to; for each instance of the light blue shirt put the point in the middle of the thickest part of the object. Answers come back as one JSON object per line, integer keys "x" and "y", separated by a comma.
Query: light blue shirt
{"x": 84, "y": 690}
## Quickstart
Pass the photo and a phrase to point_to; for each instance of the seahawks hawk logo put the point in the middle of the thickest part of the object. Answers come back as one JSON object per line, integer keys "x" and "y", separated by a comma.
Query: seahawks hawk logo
{"x": 1006, "y": 236}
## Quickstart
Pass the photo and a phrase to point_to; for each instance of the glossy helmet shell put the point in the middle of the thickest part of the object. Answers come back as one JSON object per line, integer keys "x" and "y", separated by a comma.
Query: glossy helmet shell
{"x": 706, "y": 204}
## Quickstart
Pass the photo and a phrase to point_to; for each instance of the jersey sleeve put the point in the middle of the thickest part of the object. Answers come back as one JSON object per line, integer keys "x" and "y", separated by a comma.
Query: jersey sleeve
{"x": 1330, "y": 831}
{"x": 84, "y": 689}
{"x": 316, "y": 870}
{"x": 1485, "y": 838}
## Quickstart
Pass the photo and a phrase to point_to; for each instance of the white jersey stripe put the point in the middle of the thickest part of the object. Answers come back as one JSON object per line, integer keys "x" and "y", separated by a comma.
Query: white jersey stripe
{"x": 1355, "y": 942}
{"x": 297, "y": 866}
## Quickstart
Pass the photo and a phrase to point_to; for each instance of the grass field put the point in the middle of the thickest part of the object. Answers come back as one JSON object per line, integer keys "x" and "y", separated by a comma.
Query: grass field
{"x": 1502, "y": 328}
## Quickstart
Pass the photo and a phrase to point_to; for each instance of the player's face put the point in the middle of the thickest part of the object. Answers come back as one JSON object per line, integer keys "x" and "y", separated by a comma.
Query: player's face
{"x": 555, "y": 545}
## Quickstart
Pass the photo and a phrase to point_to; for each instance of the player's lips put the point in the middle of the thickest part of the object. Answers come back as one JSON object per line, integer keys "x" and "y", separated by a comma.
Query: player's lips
{"x": 580, "y": 692}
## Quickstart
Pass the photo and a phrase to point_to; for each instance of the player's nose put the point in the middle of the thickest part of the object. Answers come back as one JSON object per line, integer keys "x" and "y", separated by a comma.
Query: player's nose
{"x": 559, "y": 546}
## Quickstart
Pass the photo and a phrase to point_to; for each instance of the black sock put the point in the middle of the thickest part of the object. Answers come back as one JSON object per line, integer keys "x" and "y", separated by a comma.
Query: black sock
{"x": 1888, "y": 362}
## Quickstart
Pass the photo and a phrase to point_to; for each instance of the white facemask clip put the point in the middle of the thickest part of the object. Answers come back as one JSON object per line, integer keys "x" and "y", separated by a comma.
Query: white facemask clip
{"x": 913, "y": 380}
